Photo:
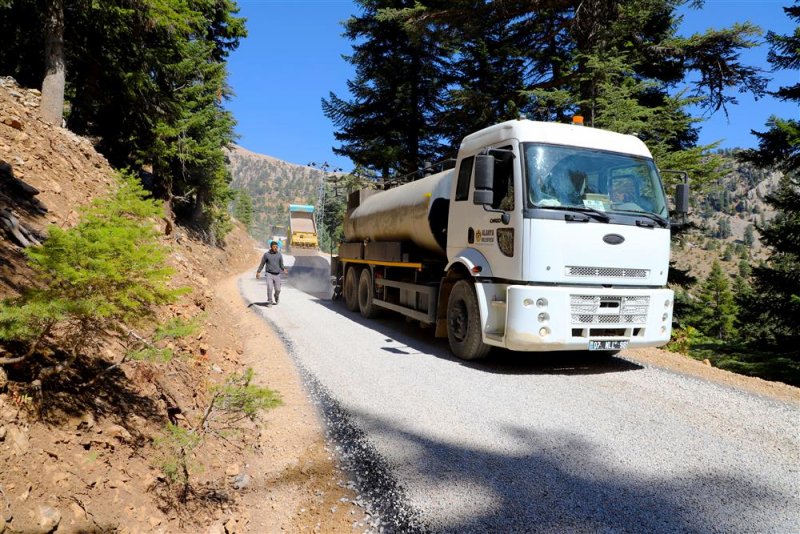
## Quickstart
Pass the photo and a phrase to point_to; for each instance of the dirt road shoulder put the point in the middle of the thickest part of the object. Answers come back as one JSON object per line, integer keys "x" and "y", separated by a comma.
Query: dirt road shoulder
{"x": 297, "y": 486}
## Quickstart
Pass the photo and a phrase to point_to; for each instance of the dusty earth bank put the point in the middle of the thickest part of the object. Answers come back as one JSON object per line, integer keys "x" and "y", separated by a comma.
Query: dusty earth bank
{"x": 80, "y": 455}
{"x": 301, "y": 488}
{"x": 92, "y": 469}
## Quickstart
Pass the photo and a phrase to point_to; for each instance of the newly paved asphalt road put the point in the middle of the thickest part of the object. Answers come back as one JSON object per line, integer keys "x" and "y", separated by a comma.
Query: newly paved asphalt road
{"x": 522, "y": 443}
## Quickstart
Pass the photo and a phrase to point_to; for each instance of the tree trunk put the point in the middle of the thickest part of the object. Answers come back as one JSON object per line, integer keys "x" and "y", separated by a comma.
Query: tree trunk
{"x": 55, "y": 69}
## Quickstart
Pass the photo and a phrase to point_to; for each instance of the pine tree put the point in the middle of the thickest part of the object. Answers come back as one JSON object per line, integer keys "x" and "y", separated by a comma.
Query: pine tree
{"x": 147, "y": 79}
{"x": 777, "y": 284}
{"x": 716, "y": 309}
{"x": 243, "y": 207}
{"x": 613, "y": 62}
{"x": 385, "y": 127}
{"x": 749, "y": 236}
{"x": 55, "y": 68}
{"x": 92, "y": 280}
{"x": 723, "y": 228}
{"x": 744, "y": 269}
{"x": 487, "y": 80}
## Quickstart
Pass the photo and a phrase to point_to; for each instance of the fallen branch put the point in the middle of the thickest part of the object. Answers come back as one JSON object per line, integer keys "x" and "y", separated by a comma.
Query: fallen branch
{"x": 9, "y": 361}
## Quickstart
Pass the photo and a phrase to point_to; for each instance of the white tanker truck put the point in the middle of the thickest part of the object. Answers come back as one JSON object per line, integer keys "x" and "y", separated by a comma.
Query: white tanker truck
{"x": 543, "y": 237}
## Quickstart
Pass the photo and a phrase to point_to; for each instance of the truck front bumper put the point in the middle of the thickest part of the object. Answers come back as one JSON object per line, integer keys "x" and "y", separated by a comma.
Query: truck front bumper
{"x": 575, "y": 318}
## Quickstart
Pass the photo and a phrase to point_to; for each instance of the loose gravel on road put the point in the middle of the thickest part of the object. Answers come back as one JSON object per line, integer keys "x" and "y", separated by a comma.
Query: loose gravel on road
{"x": 522, "y": 443}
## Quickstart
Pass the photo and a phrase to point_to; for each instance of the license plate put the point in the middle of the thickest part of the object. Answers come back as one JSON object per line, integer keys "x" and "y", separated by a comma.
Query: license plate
{"x": 608, "y": 345}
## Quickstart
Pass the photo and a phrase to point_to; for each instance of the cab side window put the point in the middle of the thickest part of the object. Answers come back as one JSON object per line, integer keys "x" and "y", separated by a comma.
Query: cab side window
{"x": 464, "y": 176}
{"x": 504, "y": 180}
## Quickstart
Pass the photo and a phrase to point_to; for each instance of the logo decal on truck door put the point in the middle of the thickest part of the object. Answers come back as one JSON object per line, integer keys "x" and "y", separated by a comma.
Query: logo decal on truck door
{"x": 484, "y": 236}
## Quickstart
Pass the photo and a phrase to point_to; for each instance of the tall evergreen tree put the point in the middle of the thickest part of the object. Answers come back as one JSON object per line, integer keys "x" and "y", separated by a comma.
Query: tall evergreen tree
{"x": 777, "y": 284}
{"x": 749, "y": 236}
{"x": 243, "y": 207}
{"x": 146, "y": 78}
{"x": 55, "y": 75}
{"x": 616, "y": 63}
{"x": 487, "y": 74}
{"x": 386, "y": 126}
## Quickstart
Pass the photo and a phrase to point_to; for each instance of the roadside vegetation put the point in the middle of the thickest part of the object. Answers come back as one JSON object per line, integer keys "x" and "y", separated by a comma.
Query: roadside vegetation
{"x": 749, "y": 322}
{"x": 104, "y": 282}
{"x": 147, "y": 80}
{"x": 96, "y": 279}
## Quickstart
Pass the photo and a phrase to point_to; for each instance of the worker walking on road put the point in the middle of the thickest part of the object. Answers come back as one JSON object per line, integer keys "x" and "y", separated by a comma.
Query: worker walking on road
{"x": 272, "y": 263}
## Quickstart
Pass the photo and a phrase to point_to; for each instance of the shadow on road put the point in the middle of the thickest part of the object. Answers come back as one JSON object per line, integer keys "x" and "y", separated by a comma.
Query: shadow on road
{"x": 405, "y": 337}
{"x": 548, "y": 481}
{"x": 265, "y": 303}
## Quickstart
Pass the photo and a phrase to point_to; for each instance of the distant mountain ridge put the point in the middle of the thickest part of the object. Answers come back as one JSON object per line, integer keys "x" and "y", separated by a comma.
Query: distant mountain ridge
{"x": 273, "y": 184}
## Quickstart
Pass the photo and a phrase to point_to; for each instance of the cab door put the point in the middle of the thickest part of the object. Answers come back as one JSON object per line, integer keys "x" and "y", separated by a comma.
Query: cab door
{"x": 480, "y": 227}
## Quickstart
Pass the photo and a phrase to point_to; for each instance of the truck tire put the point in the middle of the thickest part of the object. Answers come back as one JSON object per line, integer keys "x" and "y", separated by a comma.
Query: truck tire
{"x": 366, "y": 292}
{"x": 350, "y": 289}
{"x": 464, "y": 323}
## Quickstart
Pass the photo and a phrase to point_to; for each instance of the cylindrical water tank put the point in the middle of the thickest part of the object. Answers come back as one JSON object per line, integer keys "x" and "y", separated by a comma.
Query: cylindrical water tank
{"x": 416, "y": 211}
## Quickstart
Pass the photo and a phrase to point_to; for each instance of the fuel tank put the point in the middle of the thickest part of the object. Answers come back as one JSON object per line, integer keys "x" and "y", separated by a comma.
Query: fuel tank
{"x": 416, "y": 212}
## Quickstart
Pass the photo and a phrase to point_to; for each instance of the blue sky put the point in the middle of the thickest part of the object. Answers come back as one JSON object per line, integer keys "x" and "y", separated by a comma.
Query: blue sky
{"x": 292, "y": 58}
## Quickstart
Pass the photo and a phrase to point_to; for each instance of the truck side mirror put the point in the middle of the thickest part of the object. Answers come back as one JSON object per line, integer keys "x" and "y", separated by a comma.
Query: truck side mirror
{"x": 484, "y": 180}
{"x": 682, "y": 198}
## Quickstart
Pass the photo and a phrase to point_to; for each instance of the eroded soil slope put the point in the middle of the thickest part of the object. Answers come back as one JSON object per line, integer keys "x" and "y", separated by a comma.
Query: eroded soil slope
{"x": 82, "y": 455}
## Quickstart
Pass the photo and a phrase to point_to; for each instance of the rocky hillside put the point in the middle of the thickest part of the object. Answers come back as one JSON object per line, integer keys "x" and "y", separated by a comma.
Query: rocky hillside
{"x": 82, "y": 455}
{"x": 46, "y": 174}
{"x": 726, "y": 217}
{"x": 273, "y": 185}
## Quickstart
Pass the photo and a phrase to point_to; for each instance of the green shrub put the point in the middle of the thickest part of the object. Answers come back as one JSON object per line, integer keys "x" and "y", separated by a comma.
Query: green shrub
{"x": 682, "y": 339}
{"x": 237, "y": 399}
{"x": 174, "y": 448}
{"x": 151, "y": 354}
{"x": 178, "y": 327}
{"x": 106, "y": 272}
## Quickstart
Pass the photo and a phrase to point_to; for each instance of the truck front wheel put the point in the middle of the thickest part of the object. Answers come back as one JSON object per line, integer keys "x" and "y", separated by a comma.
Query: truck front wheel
{"x": 464, "y": 323}
{"x": 350, "y": 289}
{"x": 366, "y": 293}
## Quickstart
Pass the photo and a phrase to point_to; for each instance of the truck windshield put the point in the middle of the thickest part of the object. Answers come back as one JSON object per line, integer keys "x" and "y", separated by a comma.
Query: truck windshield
{"x": 571, "y": 177}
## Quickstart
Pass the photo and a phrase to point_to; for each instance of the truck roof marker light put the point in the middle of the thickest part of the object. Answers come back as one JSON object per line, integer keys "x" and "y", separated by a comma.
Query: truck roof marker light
{"x": 476, "y": 269}
{"x": 577, "y": 120}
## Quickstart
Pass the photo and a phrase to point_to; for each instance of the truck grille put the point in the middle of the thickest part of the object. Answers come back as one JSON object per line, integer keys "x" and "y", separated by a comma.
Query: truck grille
{"x": 597, "y": 310}
{"x": 606, "y": 272}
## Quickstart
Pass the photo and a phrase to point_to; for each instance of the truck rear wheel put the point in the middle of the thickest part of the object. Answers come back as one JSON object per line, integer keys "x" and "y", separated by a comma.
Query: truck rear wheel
{"x": 350, "y": 289}
{"x": 464, "y": 323}
{"x": 366, "y": 292}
